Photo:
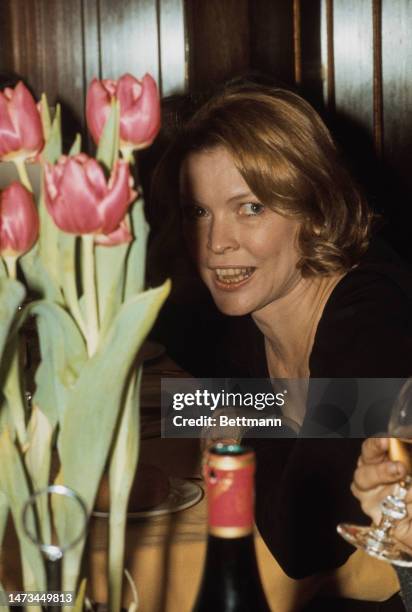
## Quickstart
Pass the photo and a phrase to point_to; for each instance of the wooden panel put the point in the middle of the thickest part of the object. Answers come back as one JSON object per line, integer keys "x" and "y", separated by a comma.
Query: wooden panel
{"x": 47, "y": 51}
{"x": 327, "y": 54}
{"x": 377, "y": 77}
{"x": 271, "y": 39}
{"x": 6, "y": 47}
{"x": 91, "y": 29}
{"x": 397, "y": 84}
{"x": 311, "y": 80}
{"x": 129, "y": 38}
{"x": 353, "y": 56}
{"x": 397, "y": 120}
{"x": 218, "y": 38}
{"x": 173, "y": 69}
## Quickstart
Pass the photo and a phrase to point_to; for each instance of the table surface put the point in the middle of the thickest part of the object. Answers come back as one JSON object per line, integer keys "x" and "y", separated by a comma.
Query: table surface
{"x": 165, "y": 554}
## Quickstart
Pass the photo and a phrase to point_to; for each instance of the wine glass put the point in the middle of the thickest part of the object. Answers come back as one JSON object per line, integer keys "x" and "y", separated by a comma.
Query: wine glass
{"x": 376, "y": 539}
{"x": 52, "y": 552}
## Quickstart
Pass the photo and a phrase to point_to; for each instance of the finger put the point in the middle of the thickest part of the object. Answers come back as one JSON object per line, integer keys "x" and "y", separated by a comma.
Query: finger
{"x": 374, "y": 450}
{"x": 403, "y": 532}
{"x": 370, "y": 476}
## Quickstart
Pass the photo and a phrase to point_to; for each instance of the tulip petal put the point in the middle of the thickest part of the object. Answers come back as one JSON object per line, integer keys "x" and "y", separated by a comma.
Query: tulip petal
{"x": 140, "y": 122}
{"x": 120, "y": 235}
{"x": 129, "y": 90}
{"x": 114, "y": 206}
{"x": 97, "y": 108}
{"x": 95, "y": 175}
{"x": 74, "y": 207}
{"x": 26, "y": 119}
{"x": 9, "y": 139}
{"x": 19, "y": 221}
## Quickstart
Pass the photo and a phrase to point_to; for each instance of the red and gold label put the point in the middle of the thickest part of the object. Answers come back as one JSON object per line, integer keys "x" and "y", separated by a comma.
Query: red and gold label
{"x": 230, "y": 491}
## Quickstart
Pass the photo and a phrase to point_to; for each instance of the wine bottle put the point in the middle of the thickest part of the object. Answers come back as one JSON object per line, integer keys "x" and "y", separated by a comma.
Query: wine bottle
{"x": 230, "y": 581}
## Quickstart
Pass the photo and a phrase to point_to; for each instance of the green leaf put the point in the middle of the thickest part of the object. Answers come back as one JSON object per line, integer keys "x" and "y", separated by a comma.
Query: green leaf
{"x": 37, "y": 459}
{"x": 122, "y": 469}
{"x": 63, "y": 355}
{"x": 4, "y": 513}
{"x": 76, "y": 146}
{"x": 78, "y": 606}
{"x": 14, "y": 485}
{"x": 93, "y": 409}
{"x": 48, "y": 240}
{"x": 108, "y": 149}
{"x": 38, "y": 277}
{"x": 11, "y": 295}
{"x": 136, "y": 260}
{"x": 110, "y": 275}
{"x": 13, "y": 390}
{"x": 45, "y": 116}
{"x": 68, "y": 274}
{"x": 53, "y": 148}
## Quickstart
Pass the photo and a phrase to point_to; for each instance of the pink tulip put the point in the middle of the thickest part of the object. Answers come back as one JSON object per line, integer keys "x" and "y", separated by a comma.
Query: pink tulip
{"x": 82, "y": 201}
{"x": 139, "y": 109}
{"x": 21, "y": 133}
{"x": 19, "y": 221}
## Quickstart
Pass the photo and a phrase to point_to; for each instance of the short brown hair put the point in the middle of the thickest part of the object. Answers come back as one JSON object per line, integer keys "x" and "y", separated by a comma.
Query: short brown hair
{"x": 286, "y": 155}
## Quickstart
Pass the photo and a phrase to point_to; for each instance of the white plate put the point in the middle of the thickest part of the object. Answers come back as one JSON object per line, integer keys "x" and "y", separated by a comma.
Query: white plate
{"x": 182, "y": 495}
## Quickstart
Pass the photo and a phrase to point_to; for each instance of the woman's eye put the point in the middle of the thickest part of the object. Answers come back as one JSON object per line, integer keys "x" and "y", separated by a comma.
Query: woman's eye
{"x": 251, "y": 209}
{"x": 192, "y": 213}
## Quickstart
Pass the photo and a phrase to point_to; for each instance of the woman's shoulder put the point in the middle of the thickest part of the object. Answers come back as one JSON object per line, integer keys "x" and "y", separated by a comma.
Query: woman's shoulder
{"x": 380, "y": 273}
{"x": 366, "y": 326}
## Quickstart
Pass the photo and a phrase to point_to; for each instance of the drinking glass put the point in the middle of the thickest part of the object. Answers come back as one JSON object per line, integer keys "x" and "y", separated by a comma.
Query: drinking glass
{"x": 376, "y": 540}
{"x": 52, "y": 552}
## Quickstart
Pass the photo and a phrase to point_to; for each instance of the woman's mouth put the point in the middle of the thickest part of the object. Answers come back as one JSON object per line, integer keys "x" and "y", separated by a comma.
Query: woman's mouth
{"x": 232, "y": 278}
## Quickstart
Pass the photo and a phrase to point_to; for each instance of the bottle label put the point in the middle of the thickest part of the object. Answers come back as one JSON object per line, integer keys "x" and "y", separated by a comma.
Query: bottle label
{"x": 230, "y": 495}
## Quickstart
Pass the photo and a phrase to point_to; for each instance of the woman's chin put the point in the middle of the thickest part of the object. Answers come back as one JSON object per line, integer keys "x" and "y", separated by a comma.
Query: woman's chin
{"x": 232, "y": 309}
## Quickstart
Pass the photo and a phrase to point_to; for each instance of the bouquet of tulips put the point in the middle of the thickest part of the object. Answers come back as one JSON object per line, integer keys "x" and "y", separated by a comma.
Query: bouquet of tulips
{"x": 74, "y": 260}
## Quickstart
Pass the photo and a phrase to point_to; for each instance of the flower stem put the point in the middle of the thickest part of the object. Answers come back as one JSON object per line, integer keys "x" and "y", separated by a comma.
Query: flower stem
{"x": 89, "y": 289}
{"x": 21, "y": 169}
{"x": 11, "y": 265}
{"x": 127, "y": 154}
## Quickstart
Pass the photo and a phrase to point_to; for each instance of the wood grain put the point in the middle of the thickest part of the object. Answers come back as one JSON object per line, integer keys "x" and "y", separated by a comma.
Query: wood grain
{"x": 377, "y": 77}
{"x": 272, "y": 39}
{"x": 129, "y": 38}
{"x": 353, "y": 59}
{"x": 173, "y": 62}
{"x": 397, "y": 86}
{"x": 47, "y": 42}
{"x": 218, "y": 41}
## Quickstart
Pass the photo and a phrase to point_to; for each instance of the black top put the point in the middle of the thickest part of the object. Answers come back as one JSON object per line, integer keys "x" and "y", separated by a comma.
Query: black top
{"x": 303, "y": 485}
{"x": 405, "y": 579}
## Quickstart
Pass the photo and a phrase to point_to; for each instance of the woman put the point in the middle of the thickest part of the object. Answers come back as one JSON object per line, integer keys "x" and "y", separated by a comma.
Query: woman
{"x": 279, "y": 231}
{"x": 374, "y": 479}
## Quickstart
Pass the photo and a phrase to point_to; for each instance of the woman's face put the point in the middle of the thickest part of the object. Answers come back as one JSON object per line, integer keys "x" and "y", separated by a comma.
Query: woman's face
{"x": 245, "y": 252}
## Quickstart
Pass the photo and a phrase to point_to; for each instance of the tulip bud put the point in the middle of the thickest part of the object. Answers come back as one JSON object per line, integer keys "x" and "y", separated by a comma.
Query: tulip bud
{"x": 81, "y": 200}
{"x": 139, "y": 109}
{"x": 19, "y": 221}
{"x": 21, "y": 134}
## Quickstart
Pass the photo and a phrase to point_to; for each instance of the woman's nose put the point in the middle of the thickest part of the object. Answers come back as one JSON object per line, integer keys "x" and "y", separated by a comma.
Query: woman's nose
{"x": 221, "y": 237}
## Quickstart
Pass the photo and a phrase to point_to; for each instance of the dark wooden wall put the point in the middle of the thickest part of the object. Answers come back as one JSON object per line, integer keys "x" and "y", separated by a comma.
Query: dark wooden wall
{"x": 58, "y": 46}
{"x": 351, "y": 58}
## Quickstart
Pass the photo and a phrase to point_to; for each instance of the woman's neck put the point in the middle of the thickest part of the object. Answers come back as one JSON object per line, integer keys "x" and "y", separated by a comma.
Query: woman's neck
{"x": 289, "y": 325}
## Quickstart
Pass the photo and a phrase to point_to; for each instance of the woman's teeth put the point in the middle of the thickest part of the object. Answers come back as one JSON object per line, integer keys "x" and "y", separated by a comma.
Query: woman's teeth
{"x": 233, "y": 275}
